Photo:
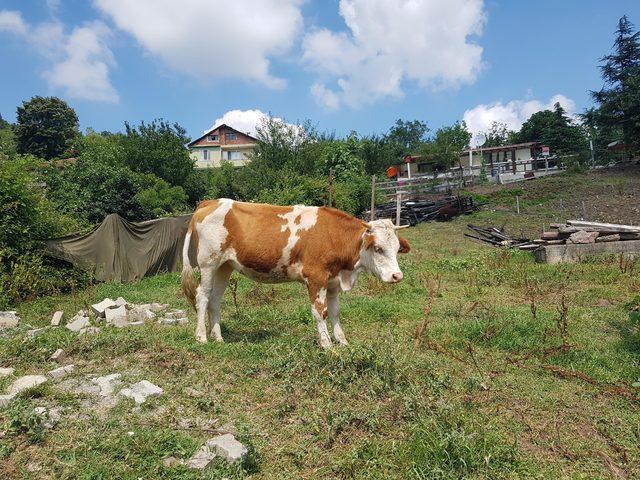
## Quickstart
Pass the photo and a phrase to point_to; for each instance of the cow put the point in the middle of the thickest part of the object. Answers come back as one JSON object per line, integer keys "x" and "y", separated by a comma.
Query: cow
{"x": 324, "y": 248}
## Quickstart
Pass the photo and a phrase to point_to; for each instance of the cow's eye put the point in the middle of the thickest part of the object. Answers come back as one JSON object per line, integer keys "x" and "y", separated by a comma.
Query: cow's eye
{"x": 379, "y": 250}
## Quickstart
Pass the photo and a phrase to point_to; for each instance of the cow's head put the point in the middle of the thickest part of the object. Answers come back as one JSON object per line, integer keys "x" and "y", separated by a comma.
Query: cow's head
{"x": 380, "y": 247}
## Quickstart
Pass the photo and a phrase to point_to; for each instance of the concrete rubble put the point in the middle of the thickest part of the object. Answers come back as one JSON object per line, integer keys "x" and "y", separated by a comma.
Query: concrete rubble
{"x": 107, "y": 384}
{"x": 5, "y": 372}
{"x": 117, "y": 316}
{"x": 26, "y": 383}
{"x": 78, "y": 323}
{"x": 222, "y": 446}
{"x": 142, "y": 390}
{"x": 34, "y": 332}
{"x": 100, "y": 308}
{"x": 121, "y": 302}
{"x": 9, "y": 319}
{"x": 57, "y": 356}
{"x": 89, "y": 330}
{"x": 51, "y": 416}
{"x": 60, "y": 372}
{"x": 57, "y": 318}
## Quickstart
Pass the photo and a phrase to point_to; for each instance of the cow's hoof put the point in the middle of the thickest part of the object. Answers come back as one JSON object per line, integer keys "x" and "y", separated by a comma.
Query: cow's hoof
{"x": 219, "y": 340}
{"x": 343, "y": 343}
{"x": 326, "y": 345}
{"x": 201, "y": 339}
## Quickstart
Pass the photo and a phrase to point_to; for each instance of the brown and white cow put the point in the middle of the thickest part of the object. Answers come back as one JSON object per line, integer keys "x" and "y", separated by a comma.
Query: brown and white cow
{"x": 324, "y": 248}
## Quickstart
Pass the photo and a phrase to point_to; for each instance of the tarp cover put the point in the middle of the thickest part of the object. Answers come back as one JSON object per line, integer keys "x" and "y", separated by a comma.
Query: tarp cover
{"x": 122, "y": 251}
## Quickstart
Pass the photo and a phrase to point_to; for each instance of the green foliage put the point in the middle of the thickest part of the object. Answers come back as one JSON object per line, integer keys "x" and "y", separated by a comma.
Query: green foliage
{"x": 619, "y": 98}
{"x": 8, "y": 146}
{"x": 498, "y": 135}
{"x": 554, "y": 129}
{"x": 160, "y": 199}
{"x": 446, "y": 147}
{"x": 407, "y": 136}
{"x": 46, "y": 127}
{"x": 342, "y": 157}
{"x": 23, "y": 420}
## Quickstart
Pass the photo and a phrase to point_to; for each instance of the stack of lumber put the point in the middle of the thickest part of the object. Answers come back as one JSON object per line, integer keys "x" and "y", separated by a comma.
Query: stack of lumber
{"x": 498, "y": 237}
{"x": 580, "y": 231}
{"x": 416, "y": 211}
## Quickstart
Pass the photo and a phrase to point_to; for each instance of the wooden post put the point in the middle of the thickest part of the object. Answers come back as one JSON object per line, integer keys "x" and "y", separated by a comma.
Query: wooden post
{"x": 330, "y": 187}
{"x": 373, "y": 198}
{"x": 398, "y": 207}
{"x": 517, "y": 204}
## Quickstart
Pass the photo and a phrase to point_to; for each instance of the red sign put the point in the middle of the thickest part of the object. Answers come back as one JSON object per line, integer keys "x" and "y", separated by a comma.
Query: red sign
{"x": 408, "y": 159}
{"x": 545, "y": 151}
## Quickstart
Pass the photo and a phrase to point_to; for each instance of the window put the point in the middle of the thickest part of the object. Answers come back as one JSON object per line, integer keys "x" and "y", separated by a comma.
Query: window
{"x": 231, "y": 136}
{"x": 214, "y": 138}
{"x": 205, "y": 155}
{"x": 234, "y": 155}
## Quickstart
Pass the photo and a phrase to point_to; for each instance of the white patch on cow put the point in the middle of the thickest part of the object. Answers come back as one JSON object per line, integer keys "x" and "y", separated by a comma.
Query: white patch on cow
{"x": 212, "y": 234}
{"x": 300, "y": 218}
{"x": 382, "y": 258}
{"x": 322, "y": 296}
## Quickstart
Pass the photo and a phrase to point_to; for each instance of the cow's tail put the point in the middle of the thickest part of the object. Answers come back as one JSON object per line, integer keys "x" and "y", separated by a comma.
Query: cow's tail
{"x": 188, "y": 277}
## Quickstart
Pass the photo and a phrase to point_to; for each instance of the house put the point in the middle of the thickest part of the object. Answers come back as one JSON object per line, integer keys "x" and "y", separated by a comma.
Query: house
{"x": 518, "y": 157}
{"x": 222, "y": 143}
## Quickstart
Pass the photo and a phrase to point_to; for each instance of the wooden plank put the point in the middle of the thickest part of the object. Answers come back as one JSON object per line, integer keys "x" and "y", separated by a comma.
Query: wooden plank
{"x": 612, "y": 227}
{"x": 550, "y": 235}
{"x": 608, "y": 238}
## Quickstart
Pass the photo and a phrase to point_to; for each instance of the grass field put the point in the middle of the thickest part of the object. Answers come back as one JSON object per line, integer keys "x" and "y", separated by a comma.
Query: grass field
{"x": 480, "y": 364}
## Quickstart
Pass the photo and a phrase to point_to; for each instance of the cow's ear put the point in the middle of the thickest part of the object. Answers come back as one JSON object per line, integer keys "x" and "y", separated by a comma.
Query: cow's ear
{"x": 404, "y": 245}
{"x": 369, "y": 241}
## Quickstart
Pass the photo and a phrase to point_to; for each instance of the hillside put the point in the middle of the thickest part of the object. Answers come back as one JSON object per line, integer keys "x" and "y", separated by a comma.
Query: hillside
{"x": 519, "y": 370}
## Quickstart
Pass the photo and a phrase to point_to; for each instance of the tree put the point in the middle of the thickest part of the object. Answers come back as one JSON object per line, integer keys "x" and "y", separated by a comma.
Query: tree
{"x": 554, "y": 129}
{"x": 407, "y": 136}
{"x": 3, "y": 123}
{"x": 45, "y": 127}
{"x": 619, "y": 98}
{"x": 446, "y": 147}
{"x": 499, "y": 135}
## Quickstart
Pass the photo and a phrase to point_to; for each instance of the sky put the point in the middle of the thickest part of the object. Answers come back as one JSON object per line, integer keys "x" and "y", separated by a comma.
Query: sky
{"x": 342, "y": 64}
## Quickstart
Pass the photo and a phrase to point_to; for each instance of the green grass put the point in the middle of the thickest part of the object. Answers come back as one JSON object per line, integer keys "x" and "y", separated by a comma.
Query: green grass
{"x": 473, "y": 400}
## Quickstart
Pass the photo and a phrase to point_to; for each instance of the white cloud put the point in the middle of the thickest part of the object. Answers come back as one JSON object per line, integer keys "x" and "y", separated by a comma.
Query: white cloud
{"x": 393, "y": 41}
{"x": 513, "y": 114}
{"x": 245, "y": 121}
{"x": 211, "y": 38}
{"x": 79, "y": 61}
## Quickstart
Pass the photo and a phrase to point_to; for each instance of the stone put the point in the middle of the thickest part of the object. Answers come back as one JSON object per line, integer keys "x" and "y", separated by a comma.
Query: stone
{"x": 100, "y": 308}
{"x": 9, "y": 319}
{"x": 192, "y": 392}
{"x": 572, "y": 253}
{"x": 26, "y": 383}
{"x": 78, "y": 323}
{"x": 154, "y": 307}
{"x": 51, "y": 416}
{"x": 35, "y": 332}
{"x": 201, "y": 459}
{"x": 89, "y": 330}
{"x": 61, "y": 371}
{"x": 5, "y": 400}
{"x": 107, "y": 383}
{"x": 140, "y": 314}
{"x": 136, "y": 324}
{"x": 57, "y": 356}
{"x": 121, "y": 302}
{"x": 169, "y": 462}
{"x": 117, "y": 316}
{"x": 175, "y": 314}
{"x": 227, "y": 447}
{"x": 5, "y": 372}
{"x": 583, "y": 236}
{"x": 57, "y": 318}
{"x": 142, "y": 390}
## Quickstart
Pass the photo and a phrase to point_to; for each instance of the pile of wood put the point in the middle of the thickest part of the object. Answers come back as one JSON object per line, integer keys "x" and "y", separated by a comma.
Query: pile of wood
{"x": 419, "y": 210}
{"x": 497, "y": 237}
{"x": 573, "y": 231}
{"x": 580, "y": 231}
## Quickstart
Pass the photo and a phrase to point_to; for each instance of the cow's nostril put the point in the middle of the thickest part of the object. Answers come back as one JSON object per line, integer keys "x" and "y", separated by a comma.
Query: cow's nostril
{"x": 397, "y": 276}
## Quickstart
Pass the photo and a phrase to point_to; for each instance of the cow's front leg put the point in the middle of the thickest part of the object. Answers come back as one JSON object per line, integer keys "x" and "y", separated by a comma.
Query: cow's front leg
{"x": 334, "y": 314}
{"x": 203, "y": 294}
{"x": 318, "y": 296}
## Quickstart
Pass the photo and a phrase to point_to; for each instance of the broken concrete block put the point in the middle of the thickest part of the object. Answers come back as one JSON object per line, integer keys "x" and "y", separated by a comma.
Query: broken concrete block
{"x": 61, "y": 371}
{"x": 136, "y": 324}
{"x": 57, "y": 318}
{"x": 5, "y": 372}
{"x": 9, "y": 319}
{"x": 57, "y": 356}
{"x": 154, "y": 307}
{"x": 117, "y": 316}
{"x": 140, "y": 314}
{"x": 78, "y": 323}
{"x": 51, "y": 416}
{"x": 35, "y": 332}
{"x": 227, "y": 447}
{"x": 107, "y": 383}
{"x": 5, "y": 400}
{"x": 201, "y": 459}
{"x": 583, "y": 237}
{"x": 99, "y": 308}
{"x": 121, "y": 302}
{"x": 169, "y": 462}
{"x": 89, "y": 330}
{"x": 140, "y": 391}
{"x": 175, "y": 314}
{"x": 25, "y": 383}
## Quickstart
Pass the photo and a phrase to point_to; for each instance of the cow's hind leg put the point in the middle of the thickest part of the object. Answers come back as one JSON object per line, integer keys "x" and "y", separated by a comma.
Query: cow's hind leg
{"x": 220, "y": 281}
{"x": 318, "y": 296}
{"x": 334, "y": 314}
{"x": 203, "y": 294}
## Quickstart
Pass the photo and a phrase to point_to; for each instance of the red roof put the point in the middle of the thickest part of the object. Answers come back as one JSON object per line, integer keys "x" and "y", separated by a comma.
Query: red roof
{"x": 218, "y": 127}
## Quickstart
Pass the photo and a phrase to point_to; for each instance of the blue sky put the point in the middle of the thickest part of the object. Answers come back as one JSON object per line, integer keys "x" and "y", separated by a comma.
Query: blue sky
{"x": 345, "y": 65}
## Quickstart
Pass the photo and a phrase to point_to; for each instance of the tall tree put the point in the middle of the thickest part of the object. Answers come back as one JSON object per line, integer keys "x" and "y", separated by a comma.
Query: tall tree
{"x": 45, "y": 127}
{"x": 3, "y": 123}
{"x": 408, "y": 136}
{"x": 498, "y": 135}
{"x": 447, "y": 145}
{"x": 619, "y": 98}
{"x": 554, "y": 129}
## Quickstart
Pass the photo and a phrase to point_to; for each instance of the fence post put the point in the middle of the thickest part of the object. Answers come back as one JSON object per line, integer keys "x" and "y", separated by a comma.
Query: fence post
{"x": 373, "y": 197}
{"x": 398, "y": 207}
{"x": 517, "y": 204}
{"x": 330, "y": 187}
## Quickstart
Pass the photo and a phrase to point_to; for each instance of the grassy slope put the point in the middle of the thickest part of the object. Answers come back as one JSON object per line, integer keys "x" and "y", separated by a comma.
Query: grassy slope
{"x": 471, "y": 401}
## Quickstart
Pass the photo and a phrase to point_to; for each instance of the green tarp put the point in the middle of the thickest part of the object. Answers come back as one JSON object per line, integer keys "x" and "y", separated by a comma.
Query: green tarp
{"x": 122, "y": 251}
